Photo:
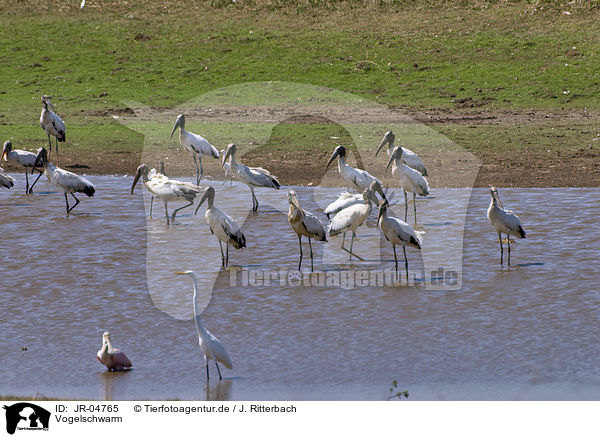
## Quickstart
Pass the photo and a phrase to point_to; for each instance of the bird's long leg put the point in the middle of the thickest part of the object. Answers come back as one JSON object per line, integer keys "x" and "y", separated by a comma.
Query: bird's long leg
{"x": 27, "y": 183}
{"x": 56, "y": 142}
{"x": 501, "y": 248}
{"x": 50, "y": 144}
{"x": 167, "y": 214}
{"x": 222, "y": 255}
{"x": 197, "y": 169}
{"x": 415, "y": 206}
{"x": 207, "y": 375}
{"x": 151, "y": 202}
{"x": 227, "y": 255}
{"x": 351, "y": 244}
{"x": 405, "y": 263}
{"x": 67, "y": 202}
{"x": 35, "y": 182}
{"x": 179, "y": 209}
{"x": 300, "y": 244}
{"x": 312, "y": 269}
{"x": 254, "y": 201}
{"x": 405, "y": 206}
{"x": 349, "y": 251}
{"x": 76, "y": 203}
{"x": 218, "y": 370}
{"x": 396, "y": 262}
{"x": 508, "y": 239}
{"x": 201, "y": 173}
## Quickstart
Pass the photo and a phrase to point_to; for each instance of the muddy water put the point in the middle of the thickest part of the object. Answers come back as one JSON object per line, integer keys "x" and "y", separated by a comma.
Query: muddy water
{"x": 524, "y": 332}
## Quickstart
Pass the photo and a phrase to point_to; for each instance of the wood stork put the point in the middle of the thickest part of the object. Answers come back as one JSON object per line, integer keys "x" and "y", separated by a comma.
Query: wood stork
{"x": 409, "y": 157}
{"x": 23, "y": 158}
{"x": 112, "y": 358}
{"x": 211, "y": 346}
{"x": 346, "y": 199}
{"x": 158, "y": 173}
{"x": 166, "y": 189}
{"x": 305, "y": 224}
{"x": 354, "y": 177}
{"x": 195, "y": 144}
{"x": 5, "y": 180}
{"x": 226, "y": 168}
{"x": 351, "y": 218}
{"x": 65, "y": 180}
{"x": 409, "y": 178}
{"x": 398, "y": 233}
{"x": 221, "y": 225}
{"x": 505, "y": 222}
{"x": 251, "y": 176}
{"x": 52, "y": 123}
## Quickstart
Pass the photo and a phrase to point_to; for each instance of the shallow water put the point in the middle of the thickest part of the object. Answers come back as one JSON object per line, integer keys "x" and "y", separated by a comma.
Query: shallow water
{"x": 524, "y": 332}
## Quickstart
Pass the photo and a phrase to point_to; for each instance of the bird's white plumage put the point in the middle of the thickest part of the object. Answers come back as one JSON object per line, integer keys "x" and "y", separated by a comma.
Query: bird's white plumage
{"x": 355, "y": 177}
{"x": 503, "y": 220}
{"x": 5, "y": 180}
{"x": 343, "y": 201}
{"x": 197, "y": 144}
{"x": 400, "y": 233}
{"x": 67, "y": 181}
{"x": 21, "y": 157}
{"x": 52, "y": 123}
{"x": 409, "y": 157}
{"x": 349, "y": 219}
{"x": 410, "y": 180}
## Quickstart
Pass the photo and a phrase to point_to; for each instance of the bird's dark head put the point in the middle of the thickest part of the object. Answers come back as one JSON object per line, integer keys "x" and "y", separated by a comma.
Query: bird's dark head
{"x": 209, "y": 194}
{"x": 396, "y": 154}
{"x": 7, "y": 148}
{"x": 383, "y": 207}
{"x": 388, "y": 138}
{"x": 230, "y": 152}
{"x": 41, "y": 159}
{"x": 142, "y": 170}
{"x": 293, "y": 199}
{"x": 180, "y": 122}
{"x": 339, "y": 151}
{"x": 377, "y": 188}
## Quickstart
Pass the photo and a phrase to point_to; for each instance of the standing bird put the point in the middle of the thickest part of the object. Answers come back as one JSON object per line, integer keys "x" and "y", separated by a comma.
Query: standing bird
{"x": 251, "y": 176}
{"x": 63, "y": 179}
{"x": 160, "y": 172}
{"x": 52, "y": 123}
{"x": 354, "y": 177}
{"x": 5, "y": 180}
{"x": 505, "y": 222}
{"x": 409, "y": 178}
{"x": 226, "y": 168}
{"x": 112, "y": 358}
{"x": 409, "y": 157}
{"x": 24, "y": 159}
{"x": 399, "y": 233}
{"x": 346, "y": 199}
{"x": 221, "y": 225}
{"x": 195, "y": 144}
{"x": 305, "y": 224}
{"x": 351, "y": 218}
{"x": 166, "y": 189}
{"x": 211, "y": 346}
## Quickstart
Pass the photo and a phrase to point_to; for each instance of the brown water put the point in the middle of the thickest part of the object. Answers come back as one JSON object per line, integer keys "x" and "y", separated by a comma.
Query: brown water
{"x": 525, "y": 332}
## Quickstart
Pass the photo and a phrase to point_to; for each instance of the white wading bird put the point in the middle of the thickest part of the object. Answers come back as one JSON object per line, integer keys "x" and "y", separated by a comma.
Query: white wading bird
{"x": 409, "y": 178}
{"x": 354, "y": 177}
{"x": 346, "y": 199}
{"x": 211, "y": 346}
{"x": 5, "y": 180}
{"x": 166, "y": 189}
{"x": 65, "y": 180}
{"x": 398, "y": 233}
{"x": 305, "y": 224}
{"x": 221, "y": 225}
{"x": 351, "y": 218}
{"x": 409, "y": 157}
{"x": 158, "y": 173}
{"x": 251, "y": 176}
{"x": 505, "y": 222}
{"x": 112, "y": 358}
{"x": 52, "y": 123}
{"x": 226, "y": 168}
{"x": 24, "y": 159}
{"x": 195, "y": 144}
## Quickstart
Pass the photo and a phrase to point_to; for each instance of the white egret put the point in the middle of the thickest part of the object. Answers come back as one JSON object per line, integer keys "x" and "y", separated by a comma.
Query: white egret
{"x": 52, "y": 123}
{"x": 112, "y": 358}
{"x": 409, "y": 178}
{"x": 211, "y": 346}
{"x": 354, "y": 177}
{"x": 166, "y": 189}
{"x": 251, "y": 176}
{"x": 505, "y": 222}
{"x": 23, "y": 158}
{"x": 409, "y": 157}
{"x": 398, "y": 233}
{"x": 69, "y": 183}
{"x": 195, "y": 144}
{"x": 305, "y": 224}
{"x": 221, "y": 225}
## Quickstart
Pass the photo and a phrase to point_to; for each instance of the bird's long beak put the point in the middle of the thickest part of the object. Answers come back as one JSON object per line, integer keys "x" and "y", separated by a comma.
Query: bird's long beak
{"x": 382, "y": 206}
{"x": 334, "y": 155}
{"x": 392, "y": 158}
{"x": 4, "y": 155}
{"x": 135, "y": 180}
{"x": 202, "y": 200}
{"x": 181, "y": 273}
{"x": 52, "y": 106}
{"x": 175, "y": 126}
{"x": 296, "y": 203}
{"x": 383, "y": 143}
{"x": 227, "y": 155}
{"x": 37, "y": 162}
{"x": 379, "y": 190}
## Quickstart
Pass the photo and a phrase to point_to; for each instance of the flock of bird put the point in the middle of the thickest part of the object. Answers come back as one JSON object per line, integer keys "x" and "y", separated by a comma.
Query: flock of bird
{"x": 346, "y": 214}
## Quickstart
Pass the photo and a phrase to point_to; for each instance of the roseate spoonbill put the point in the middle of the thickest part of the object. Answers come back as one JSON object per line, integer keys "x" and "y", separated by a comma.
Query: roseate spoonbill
{"x": 211, "y": 346}
{"x": 221, "y": 225}
{"x": 23, "y": 158}
{"x": 398, "y": 233}
{"x": 505, "y": 222}
{"x": 409, "y": 178}
{"x": 166, "y": 189}
{"x": 69, "y": 183}
{"x": 354, "y": 177}
{"x": 112, "y": 358}
{"x": 251, "y": 176}
{"x": 195, "y": 144}
{"x": 409, "y": 157}
{"x": 52, "y": 123}
{"x": 304, "y": 224}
